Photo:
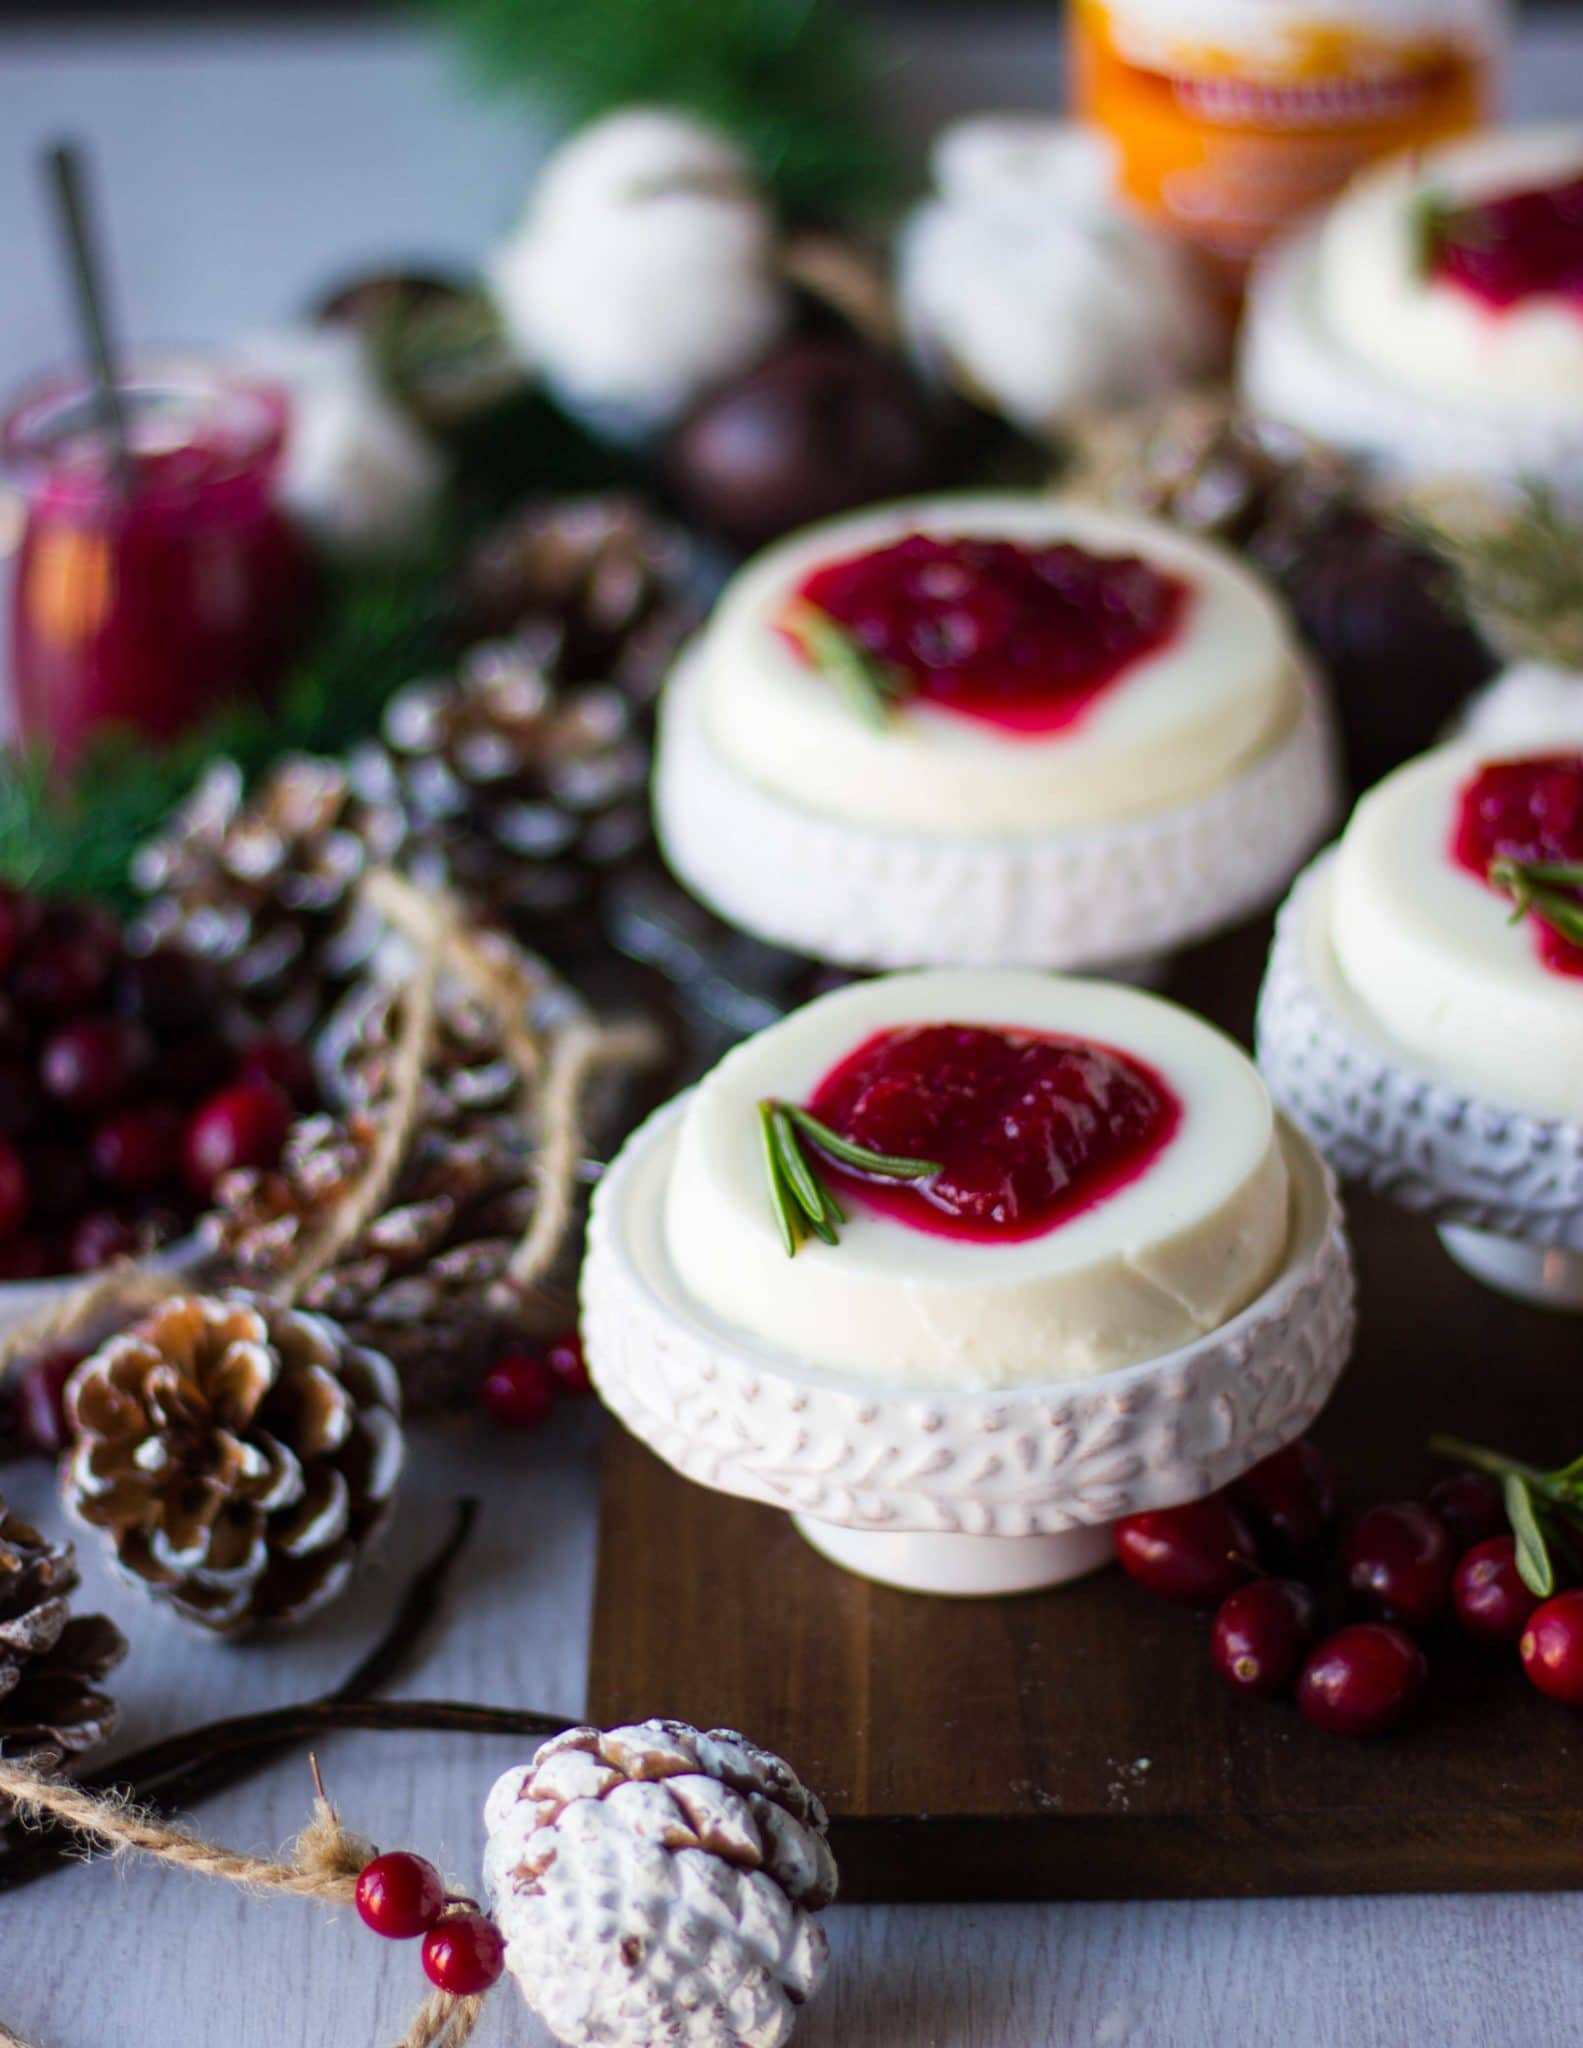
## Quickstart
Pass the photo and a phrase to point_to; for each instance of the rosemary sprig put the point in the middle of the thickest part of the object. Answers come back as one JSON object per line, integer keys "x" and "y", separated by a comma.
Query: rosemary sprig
{"x": 1538, "y": 889}
{"x": 803, "y": 1205}
{"x": 872, "y": 687}
{"x": 1545, "y": 1509}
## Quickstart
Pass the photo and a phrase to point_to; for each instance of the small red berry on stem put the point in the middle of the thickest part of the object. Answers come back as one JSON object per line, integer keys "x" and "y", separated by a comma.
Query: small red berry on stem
{"x": 400, "y": 1895}
{"x": 1363, "y": 1680}
{"x": 519, "y": 1390}
{"x": 1197, "y": 1553}
{"x": 1491, "y": 1600}
{"x": 1398, "y": 1562}
{"x": 1261, "y": 1635}
{"x": 1552, "y": 1647}
{"x": 464, "y": 1954}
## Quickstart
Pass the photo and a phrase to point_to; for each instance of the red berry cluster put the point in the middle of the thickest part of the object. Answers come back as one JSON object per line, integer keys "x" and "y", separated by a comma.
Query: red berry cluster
{"x": 1264, "y": 1551}
{"x": 520, "y": 1389}
{"x": 120, "y": 1099}
{"x": 402, "y": 1896}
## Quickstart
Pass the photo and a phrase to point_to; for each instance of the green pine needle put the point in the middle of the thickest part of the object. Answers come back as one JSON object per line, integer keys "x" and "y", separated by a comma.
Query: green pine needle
{"x": 801, "y": 1202}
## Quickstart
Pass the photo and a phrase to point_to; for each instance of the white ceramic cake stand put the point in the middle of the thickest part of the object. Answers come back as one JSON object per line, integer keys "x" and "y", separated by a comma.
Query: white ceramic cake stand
{"x": 1101, "y": 898}
{"x": 1504, "y": 1185}
{"x": 946, "y": 1492}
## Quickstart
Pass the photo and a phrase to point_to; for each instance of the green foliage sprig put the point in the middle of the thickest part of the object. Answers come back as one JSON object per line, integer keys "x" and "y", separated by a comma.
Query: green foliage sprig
{"x": 1545, "y": 1509}
{"x": 803, "y": 1204}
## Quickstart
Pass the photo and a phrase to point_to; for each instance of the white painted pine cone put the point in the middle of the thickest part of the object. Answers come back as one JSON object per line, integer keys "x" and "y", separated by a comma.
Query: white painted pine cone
{"x": 655, "y": 1886}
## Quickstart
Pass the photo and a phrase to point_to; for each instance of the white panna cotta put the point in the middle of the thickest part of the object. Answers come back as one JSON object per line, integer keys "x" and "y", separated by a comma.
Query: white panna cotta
{"x": 1430, "y": 953}
{"x": 1195, "y": 705}
{"x": 1099, "y": 1203}
{"x": 1433, "y": 318}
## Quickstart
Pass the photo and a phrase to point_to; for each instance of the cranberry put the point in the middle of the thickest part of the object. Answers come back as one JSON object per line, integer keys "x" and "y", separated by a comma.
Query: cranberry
{"x": 1028, "y": 1129}
{"x": 27, "y": 1256}
{"x": 244, "y": 1125}
{"x": 67, "y": 966}
{"x": 1196, "y": 1553}
{"x": 1552, "y": 1647}
{"x": 400, "y": 1895}
{"x": 284, "y": 1064}
{"x": 519, "y": 1391}
{"x": 1398, "y": 1562}
{"x": 19, "y": 919}
{"x": 464, "y": 1954}
{"x": 99, "y": 1238}
{"x": 1289, "y": 1499}
{"x": 60, "y": 1180}
{"x": 169, "y": 989}
{"x": 1492, "y": 1602}
{"x": 141, "y": 1148}
{"x": 40, "y": 1394}
{"x": 1261, "y": 1635}
{"x": 95, "y": 1063}
{"x": 1362, "y": 1680}
{"x": 566, "y": 1361}
{"x": 22, "y": 1100}
{"x": 1471, "y": 1506}
{"x": 13, "y": 1189}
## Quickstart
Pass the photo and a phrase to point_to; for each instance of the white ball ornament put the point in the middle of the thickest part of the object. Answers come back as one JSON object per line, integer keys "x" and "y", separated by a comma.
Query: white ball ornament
{"x": 1025, "y": 283}
{"x": 643, "y": 271}
{"x": 657, "y": 1884}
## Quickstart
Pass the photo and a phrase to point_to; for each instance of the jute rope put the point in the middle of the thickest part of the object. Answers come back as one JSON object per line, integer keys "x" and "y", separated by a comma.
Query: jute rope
{"x": 325, "y": 1863}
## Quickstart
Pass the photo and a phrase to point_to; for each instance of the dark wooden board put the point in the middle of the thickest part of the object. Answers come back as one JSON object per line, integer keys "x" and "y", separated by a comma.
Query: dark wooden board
{"x": 1076, "y": 1743}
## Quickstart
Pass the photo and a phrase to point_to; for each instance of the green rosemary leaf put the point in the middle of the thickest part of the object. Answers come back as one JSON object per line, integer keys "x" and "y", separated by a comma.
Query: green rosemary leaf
{"x": 886, "y": 1165}
{"x": 1534, "y": 1566}
{"x": 799, "y": 1177}
{"x": 1568, "y": 874}
{"x": 871, "y": 687}
{"x": 1528, "y": 885}
{"x": 787, "y": 1216}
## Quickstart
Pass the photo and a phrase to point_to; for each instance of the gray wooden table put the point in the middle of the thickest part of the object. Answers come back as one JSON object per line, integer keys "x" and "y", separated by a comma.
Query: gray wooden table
{"x": 242, "y": 170}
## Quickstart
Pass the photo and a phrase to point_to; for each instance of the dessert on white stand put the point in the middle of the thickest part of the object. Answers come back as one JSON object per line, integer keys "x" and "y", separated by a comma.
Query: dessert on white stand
{"x": 1077, "y": 1267}
{"x": 1422, "y": 1017}
{"x": 1432, "y": 320}
{"x": 992, "y": 730}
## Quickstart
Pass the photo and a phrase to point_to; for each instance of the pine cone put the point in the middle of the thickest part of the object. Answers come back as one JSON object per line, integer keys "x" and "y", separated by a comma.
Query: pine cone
{"x": 657, "y": 1884}
{"x": 51, "y": 1664}
{"x": 266, "y": 885}
{"x": 240, "y": 1456}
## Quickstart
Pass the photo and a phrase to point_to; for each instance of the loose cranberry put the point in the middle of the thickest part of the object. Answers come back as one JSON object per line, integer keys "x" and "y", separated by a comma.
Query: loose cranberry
{"x": 19, "y": 919}
{"x": 1290, "y": 1499}
{"x": 244, "y": 1125}
{"x": 60, "y": 1180}
{"x": 67, "y": 966}
{"x": 40, "y": 1394}
{"x": 1470, "y": 1505}
{"x": 566, "y": 1361}
{"x": 27, "y": 1256}
{"x": 400, "y": 1895}
{"x": 141, "y": 1148}
{"x": 286, "y": 1065}
{"x": 1362, "y": 1680}
{"x": 1398, "y": 1562}
{"x": 23, "y": 1102}
{"x": 464, "y": 1954}
{"x": 1197, "y": 1553}
{"x": 13, "y": 1189}
{"x": 1261, "y": 1635}
{"x": 519, "y": 1391}
{"x": 100, "y": 1237}
{"x": 170, "y": 989}
{"x": 96, "y": 1063}
{"x": 1552, "y": 1647}
{"x": 1492, "y": 1602}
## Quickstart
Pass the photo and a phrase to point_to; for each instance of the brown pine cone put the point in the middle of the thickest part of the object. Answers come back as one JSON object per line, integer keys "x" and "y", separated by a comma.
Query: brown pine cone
{"x": 266, "y": 885}
{"x": 51, "y": 1663}
{"x": 238, "y": 1455}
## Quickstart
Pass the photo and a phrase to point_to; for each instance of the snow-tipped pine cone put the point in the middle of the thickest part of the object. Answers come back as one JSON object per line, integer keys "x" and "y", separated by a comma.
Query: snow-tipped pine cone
{"x": 656, "y": 1884}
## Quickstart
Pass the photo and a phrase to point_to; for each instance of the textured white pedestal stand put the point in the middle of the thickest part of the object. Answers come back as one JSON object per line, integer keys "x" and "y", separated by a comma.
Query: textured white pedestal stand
{"x": 955, "y": 1492}
{"x": 1505, "y": 1186}
{"x": 1113, "y": 899}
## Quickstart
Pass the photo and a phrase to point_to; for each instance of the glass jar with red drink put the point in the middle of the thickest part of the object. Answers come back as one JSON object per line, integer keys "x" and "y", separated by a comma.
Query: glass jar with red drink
{"x": 145, "y": 596}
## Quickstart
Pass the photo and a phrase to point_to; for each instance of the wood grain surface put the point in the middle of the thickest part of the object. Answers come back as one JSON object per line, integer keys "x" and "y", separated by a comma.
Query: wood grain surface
{"x": 1077, "y": 1743}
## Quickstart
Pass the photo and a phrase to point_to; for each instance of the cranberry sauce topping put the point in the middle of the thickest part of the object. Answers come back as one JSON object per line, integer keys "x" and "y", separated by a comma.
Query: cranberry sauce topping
{"x": 1029, "y": 1129}
{"x": 1021, "y": 637}
{"x": 1512, "y": 248}
{"x": 1529, "y": 811}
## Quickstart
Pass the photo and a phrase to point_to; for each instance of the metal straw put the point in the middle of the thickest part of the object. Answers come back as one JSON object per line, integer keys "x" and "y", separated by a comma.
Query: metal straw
{"x": 64, "y": 168}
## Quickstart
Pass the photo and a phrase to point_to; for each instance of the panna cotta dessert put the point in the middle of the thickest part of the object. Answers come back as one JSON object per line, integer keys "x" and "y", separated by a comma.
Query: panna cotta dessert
{"x": 1432, "y": 320}
{"x": 990, "y": 730}
{"x": 935, "y": 1198}
{"x": 1423, "y": 1014}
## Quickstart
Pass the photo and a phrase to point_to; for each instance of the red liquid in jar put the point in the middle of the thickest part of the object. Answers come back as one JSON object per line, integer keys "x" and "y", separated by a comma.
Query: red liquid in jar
{"x": 148, "y": 606}
{"x": 1516, "y": 247}
{"x": 1021, "y": 637}
{"x": 1030, "y": 1129}
{"x": 1530, "y": 810}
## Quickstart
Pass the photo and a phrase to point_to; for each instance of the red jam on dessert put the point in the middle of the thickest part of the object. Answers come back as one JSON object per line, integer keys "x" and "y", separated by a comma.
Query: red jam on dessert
{"x": 1519, "y": 828}
{"x": 1016, "y": 636}
{"x": 1519, "y": 246}
{"x": 1029, "y": 1129}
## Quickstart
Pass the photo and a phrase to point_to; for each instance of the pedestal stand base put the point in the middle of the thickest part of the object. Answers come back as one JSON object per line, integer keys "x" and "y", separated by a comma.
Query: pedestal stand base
{"x": 964, "y": 1566}
{"x": 1531, "y": 1272}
